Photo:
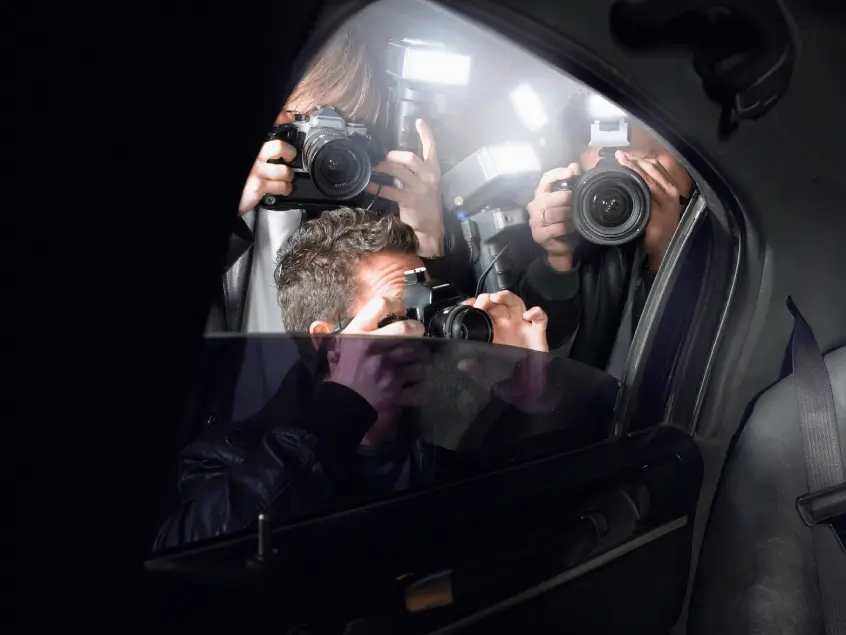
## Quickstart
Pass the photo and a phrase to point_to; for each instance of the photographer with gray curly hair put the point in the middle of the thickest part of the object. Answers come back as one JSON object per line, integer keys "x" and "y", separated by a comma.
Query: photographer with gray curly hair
{"x": 337, "y": 432}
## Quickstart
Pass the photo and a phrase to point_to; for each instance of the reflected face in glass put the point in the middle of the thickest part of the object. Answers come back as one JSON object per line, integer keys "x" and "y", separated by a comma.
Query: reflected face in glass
{"x": 382, "y": 275}
{"x": 644, "y": 145}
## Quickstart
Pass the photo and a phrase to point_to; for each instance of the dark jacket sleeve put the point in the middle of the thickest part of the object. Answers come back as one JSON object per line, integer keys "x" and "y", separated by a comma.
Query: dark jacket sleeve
{"x": 558, "y": 294}
{"x": 229, "y": 476}
{"x": 454, "y": 266}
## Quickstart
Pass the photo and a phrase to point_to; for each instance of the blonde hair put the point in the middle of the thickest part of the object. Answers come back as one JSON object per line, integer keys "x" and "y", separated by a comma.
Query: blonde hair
{"x": 342, "y": 76}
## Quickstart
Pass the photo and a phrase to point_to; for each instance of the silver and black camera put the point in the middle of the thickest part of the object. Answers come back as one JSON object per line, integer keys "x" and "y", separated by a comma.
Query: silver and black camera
{"x": 611, "y": 203}
{"x": 335, "y": 157}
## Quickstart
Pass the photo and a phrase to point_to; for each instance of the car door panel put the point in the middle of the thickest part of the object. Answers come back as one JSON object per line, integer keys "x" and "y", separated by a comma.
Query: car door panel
{"x": 558, "y": 540}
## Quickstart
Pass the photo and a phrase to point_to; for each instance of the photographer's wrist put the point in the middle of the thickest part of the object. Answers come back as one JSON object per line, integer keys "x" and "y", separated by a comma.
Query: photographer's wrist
{"x": 655, "y": 252}
{"x": 560, "y": 262}
{"x": 431, "y": 244}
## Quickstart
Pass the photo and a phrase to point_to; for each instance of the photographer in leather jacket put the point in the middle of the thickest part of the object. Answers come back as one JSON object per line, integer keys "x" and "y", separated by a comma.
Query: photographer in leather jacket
{"x": 584, "y": 287}
{"x": 336, "y": 428}
{"x": 342, "y": 75}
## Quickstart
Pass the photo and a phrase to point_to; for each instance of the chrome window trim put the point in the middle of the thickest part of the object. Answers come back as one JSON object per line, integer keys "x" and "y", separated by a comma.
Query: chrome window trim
{"x": 644, "y": 335}
{"x": 718, "y": 336}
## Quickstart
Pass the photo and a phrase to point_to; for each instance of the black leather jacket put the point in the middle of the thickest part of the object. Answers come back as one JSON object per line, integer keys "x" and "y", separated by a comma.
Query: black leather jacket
{"x": 591, "y": 298}
{"x": 294, "y": 457}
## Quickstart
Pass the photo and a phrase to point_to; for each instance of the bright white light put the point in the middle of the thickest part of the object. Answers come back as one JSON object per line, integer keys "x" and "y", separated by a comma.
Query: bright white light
{"x": 528, "y": 106}
{"x": 601, "y": 108}
{"x": 436, "y": 66}
{"x": 514, "y": 158}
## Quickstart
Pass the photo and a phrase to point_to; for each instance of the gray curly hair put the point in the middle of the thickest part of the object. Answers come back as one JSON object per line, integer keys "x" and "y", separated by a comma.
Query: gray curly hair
{"x": 316, "y": 269}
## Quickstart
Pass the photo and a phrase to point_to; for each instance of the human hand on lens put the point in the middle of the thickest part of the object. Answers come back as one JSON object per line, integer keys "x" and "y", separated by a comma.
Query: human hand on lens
{"x": 513, "y": 324}
{"x": 269, "y": 178}
{"x": 667, "y": 207}
{"x": 419, "y": 199}
{"x": 551, "y": 218}
{"x": 385, "y": 373}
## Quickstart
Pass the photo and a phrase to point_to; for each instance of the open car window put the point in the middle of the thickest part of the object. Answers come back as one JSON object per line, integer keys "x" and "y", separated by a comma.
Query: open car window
{"x": 427, "y": 160}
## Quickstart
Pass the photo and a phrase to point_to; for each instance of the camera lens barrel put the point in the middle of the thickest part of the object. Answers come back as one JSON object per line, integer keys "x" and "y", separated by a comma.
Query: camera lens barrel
{"x": 462, "y": 322}
{"x": 339, "y": 167}
{"x": 611, "y": 204}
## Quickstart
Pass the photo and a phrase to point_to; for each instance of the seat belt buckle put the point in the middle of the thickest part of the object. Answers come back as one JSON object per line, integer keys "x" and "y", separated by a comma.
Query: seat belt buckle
{"x": 826, "y": 506}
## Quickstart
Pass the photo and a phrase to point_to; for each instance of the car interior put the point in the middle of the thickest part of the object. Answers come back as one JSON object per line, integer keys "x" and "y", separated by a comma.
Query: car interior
{"x": 694, "y": 485}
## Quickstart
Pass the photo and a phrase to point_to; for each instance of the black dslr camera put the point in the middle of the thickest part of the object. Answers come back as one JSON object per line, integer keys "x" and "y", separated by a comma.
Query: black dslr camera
{"x": 334, "y": 158}
{"x": 611, "y": 203}
{"x": 438, "y": 306}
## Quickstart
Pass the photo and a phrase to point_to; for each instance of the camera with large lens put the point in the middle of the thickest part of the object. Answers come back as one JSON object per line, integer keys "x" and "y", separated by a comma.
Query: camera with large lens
{"x": 611, "y": 203}
{"x": 334, "y": 158}
{"x": 438, "y": 306}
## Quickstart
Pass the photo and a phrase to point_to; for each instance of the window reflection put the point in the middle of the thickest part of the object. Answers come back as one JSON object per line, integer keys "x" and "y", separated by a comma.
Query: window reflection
{"x": 356, "y": 419}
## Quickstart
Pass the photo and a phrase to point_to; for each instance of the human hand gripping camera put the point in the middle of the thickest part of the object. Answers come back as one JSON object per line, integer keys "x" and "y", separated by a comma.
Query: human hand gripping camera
{"x": 390, "y": 376}
{"x": 419, "y": 199}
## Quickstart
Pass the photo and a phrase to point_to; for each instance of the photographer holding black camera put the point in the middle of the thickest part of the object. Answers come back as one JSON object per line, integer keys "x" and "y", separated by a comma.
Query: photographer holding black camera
{"x": 341, "y": 428}
{"x": 605, "y": 224}
{"x": 328, "y": 148}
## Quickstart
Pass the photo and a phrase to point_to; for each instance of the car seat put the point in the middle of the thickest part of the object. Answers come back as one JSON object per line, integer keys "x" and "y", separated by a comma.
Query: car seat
{"x": 762, "y": 568}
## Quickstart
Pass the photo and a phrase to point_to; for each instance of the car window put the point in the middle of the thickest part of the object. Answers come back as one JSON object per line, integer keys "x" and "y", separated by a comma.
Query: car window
{"x": 449, "y": 256}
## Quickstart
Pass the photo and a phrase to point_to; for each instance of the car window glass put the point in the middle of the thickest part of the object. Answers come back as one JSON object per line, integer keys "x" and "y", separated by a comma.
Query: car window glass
{"x": 440, "y": 260}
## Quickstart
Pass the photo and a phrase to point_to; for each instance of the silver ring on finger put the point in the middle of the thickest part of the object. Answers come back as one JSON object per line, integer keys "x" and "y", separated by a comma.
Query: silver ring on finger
{"x": 544, "y": 222}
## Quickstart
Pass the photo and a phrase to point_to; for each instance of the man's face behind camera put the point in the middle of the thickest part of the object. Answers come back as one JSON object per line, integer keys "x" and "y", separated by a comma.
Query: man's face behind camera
{"x": 644, "y": 145}
{"x": 377, "y": 275}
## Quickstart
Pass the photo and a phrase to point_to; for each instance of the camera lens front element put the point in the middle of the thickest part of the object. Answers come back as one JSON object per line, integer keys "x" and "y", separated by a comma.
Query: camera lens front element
{"x": 339, "y": 168}
{"x": 611, "y": 204}
{"x": 462, "y": 322}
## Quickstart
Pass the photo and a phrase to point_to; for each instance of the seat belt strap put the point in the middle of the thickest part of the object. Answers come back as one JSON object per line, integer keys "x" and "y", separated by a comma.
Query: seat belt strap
{"x": 823, "y": 507}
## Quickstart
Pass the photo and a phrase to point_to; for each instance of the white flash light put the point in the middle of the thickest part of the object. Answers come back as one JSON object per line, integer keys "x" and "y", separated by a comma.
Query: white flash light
{"x": 431, "y": 63}
{"x": 490, "y": 169}
{"x": 609, "y": 127}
